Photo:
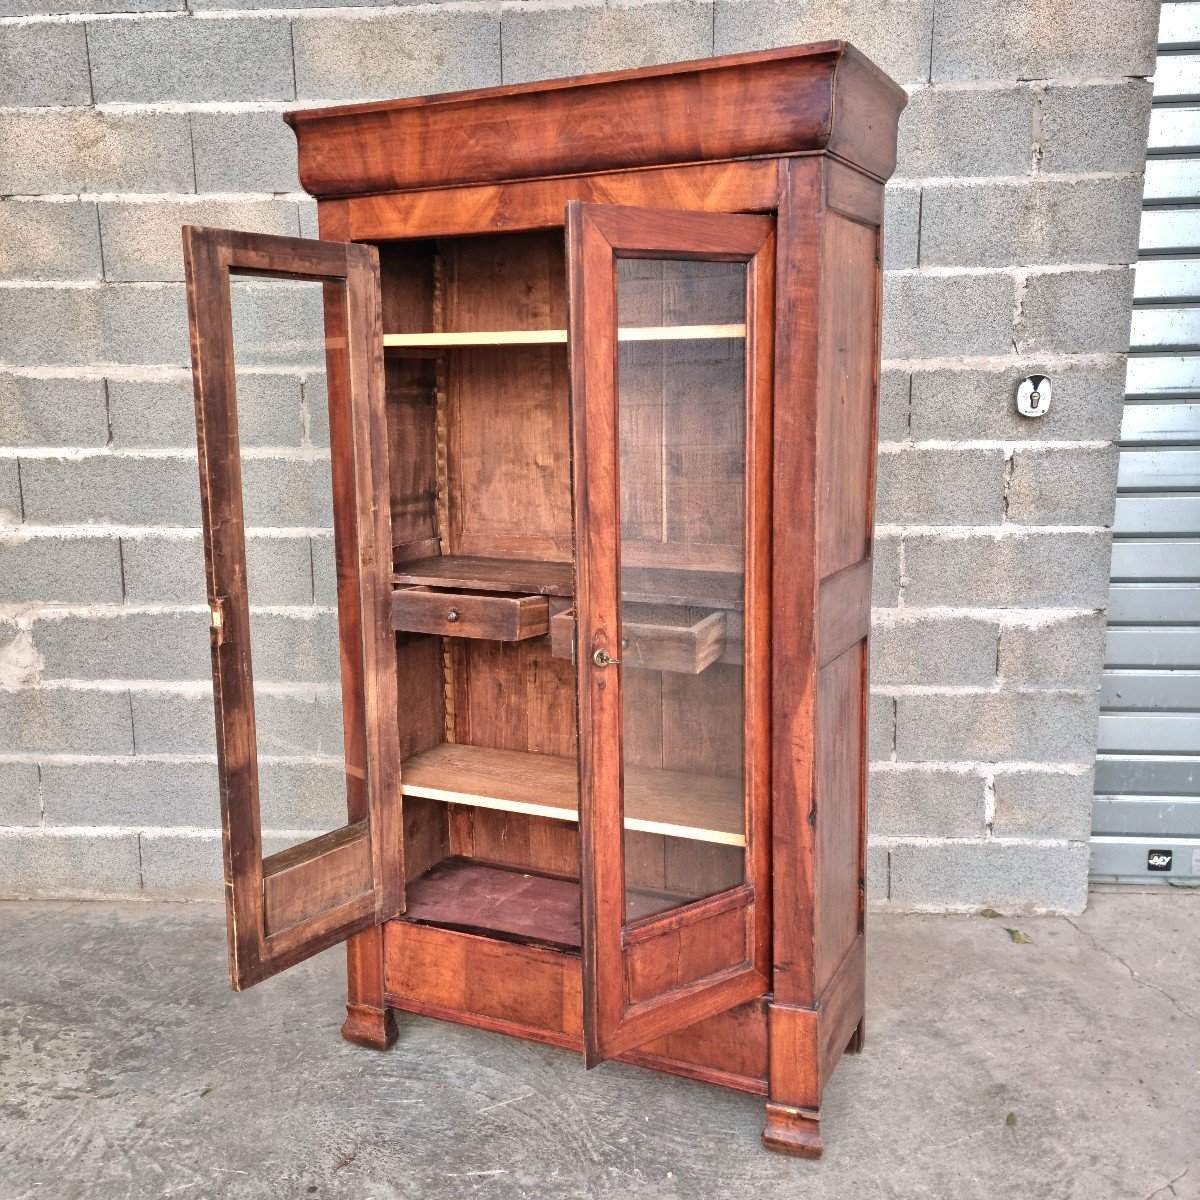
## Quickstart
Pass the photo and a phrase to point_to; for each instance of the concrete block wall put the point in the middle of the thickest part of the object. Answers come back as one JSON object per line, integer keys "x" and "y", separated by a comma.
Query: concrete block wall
{"x": 1011, "y": 229}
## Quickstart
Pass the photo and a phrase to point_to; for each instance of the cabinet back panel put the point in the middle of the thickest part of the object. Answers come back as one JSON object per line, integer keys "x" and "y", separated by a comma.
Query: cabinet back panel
{"x": 407, "y": 281}
{"x": 508, "y": 461}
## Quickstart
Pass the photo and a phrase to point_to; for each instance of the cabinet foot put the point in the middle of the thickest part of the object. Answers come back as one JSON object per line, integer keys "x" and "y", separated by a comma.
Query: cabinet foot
{"x": 374, "y": 1028}
{"x": 857, "y": 1038}
{"x": 793, "y": 1131}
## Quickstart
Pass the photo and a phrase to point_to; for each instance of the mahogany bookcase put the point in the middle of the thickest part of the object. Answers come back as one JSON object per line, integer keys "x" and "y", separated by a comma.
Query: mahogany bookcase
{"x": 602, "y": 367}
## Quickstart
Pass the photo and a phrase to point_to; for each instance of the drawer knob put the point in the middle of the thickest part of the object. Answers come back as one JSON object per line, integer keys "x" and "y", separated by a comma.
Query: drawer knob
{"x": 452, "y": 615}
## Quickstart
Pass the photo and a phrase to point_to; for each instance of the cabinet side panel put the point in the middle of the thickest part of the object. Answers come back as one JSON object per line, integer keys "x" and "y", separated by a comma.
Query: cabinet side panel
{"x": 846, "y": 383}
{"x": 839, "y": 769}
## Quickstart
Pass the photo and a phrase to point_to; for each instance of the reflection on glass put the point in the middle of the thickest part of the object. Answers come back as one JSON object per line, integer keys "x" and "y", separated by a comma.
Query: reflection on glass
{"x": 682, "y": 463}
{"x": 283, "y": 430}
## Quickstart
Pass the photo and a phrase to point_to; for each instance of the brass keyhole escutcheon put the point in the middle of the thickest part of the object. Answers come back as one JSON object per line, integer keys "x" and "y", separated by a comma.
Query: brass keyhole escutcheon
{"x": 602, "y": 658}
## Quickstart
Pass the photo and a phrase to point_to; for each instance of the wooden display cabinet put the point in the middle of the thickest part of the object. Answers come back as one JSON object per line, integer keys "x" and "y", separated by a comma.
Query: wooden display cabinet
{"x": 602, "y": 513}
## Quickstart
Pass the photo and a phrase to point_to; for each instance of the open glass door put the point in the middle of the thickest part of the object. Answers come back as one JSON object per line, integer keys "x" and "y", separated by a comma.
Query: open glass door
{"x": 304, "y": 680}
{"x": 670, "y": 341}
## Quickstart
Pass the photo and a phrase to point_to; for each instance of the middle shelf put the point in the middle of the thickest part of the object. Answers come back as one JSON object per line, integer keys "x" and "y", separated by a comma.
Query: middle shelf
{"x": 682, "y": 804}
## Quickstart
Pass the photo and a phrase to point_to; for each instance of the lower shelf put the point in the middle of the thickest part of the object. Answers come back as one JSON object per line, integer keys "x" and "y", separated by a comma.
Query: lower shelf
{"x": 512, "y": 905}
{"x": 703, "y": 808}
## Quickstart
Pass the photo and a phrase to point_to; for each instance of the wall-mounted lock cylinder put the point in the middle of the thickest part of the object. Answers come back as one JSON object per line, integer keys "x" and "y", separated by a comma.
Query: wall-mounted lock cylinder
{"x": 1033, "y": 396}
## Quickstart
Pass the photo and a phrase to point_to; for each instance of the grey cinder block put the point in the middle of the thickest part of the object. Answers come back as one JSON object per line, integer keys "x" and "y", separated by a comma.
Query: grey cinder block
{"x": 171, "y": 570}
{"x": 1021, "y": 569}
{"x": 11, "y": 507}
{"x": 49, "y": 240}
{"x": 933, "y": 650}
{"x": 548, "y": 43}
{"x": 179, "y": 722}
{"x": 877, "y": 874}
{"x": 124, "y": 645}
{"x": 920, "y": 803}
{"x": 107, "y": 323}
{"x": 162, "y": 412}
{"x": 1043, "y": 804}
{"x": 1054, "y": 652}
{"x": 1010, "y": 876}
{"x": 182, "y": 59}
{"x": 244, "y": 151}
{"x": 36, "y": 8}
{"x": 144, "y": 241}
{"x": 895, "y": 36}
{"x": 959, "y": 132}
{"x": 43, "y": 64}
{"x": 1063, "y": 486}
{"x": 1077, "y": 312}
{"x": 60, "y": 570}
{"x": 282, "y": 492}
{"x": 1058, "y": 727}
{"x": 882, "y": 728}
{"x": 1096, "y": 127}
{"x": 364, "y": 55}
{"x": 65, "y": 721}
{"x": 20, "y": 803}
{"x": 131, "y": 792}
{"x": 901, "y": 227}
{"x": 182, "y": 866}
{"x": 894, "y": 394}
{"x": 940, "y": 487}
{"x": 122, "y": 490}
{"x": 1042, "y": 39}
{"x": 38, "y": 411}
{"x": 44, "y": 863}
{"x": 949, "y": 405}
{"x": 932, "y": 316}
{"x": 885, "y": 582}
{"x": 82, "y": 150}
{"x": 1044, "y": 221}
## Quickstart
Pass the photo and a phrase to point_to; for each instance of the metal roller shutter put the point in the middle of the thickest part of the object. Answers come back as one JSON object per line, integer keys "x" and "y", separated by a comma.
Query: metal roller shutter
{"x": 1146, "y": 823}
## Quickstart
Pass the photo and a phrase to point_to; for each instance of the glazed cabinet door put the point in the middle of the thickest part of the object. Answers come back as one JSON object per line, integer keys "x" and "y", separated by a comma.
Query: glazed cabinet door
{"x": 670, "y": 339}
{"x": 287, "y": 361}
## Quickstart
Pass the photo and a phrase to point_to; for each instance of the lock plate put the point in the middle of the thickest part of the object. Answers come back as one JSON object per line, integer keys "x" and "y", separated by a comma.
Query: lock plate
{"x": 1033, "y": 396}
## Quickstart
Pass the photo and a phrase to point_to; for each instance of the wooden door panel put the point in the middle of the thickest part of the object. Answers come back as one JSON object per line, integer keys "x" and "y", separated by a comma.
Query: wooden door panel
{"x": 286, "y": 907}
{"x": 668, "y": 477}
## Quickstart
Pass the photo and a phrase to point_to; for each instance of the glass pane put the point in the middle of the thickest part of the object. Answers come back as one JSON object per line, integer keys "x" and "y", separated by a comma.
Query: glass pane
{"x": 283, "y": 428}
{"x": 682, "y": 395}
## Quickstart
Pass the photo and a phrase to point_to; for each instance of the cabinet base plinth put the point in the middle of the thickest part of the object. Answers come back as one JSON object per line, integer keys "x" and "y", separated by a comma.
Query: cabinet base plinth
{"x": 373, "y": 1028}
{"x": 858, "y": 1039}
{"x": 795, "y": 1131}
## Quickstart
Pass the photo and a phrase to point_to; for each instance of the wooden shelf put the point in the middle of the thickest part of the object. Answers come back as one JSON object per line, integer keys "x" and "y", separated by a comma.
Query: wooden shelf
{"x": 557, "y": 337}
{"x": 680, "y": 804}
{"x": 511, "y": 904}
{"x": 643, "y": 585}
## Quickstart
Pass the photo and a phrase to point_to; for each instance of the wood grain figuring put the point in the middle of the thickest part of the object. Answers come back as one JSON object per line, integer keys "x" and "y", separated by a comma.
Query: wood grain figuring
{"x": 665, "y": 802}
{"x": 840, "y": 786}
{"x": 845, "y": 611}
{"x": 667, "y": 640}
{"x": 449, "y": 975}
{"x": 460, "y": 614}
{"x": 841, "y": 1011}
{"x": 541, "y": 203}
{"x": 309, "y": 879}
{"x": 847, "y": 365}
{"x": 764, "y": 103}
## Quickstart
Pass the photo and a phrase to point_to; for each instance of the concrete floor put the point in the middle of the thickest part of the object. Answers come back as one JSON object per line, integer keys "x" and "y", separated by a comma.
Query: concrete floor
{"x": 128, "y": 1069}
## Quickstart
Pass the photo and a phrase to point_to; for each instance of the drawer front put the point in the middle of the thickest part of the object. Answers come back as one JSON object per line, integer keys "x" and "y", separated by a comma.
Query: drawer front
{"x": 463, "y": 614}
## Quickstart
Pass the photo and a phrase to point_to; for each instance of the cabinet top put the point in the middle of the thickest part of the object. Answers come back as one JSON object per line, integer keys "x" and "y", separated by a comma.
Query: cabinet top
{"x": 825, "y": 97}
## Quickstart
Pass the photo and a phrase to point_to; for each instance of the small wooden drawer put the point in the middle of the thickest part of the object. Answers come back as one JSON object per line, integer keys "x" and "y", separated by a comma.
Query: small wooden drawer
{"x": 654, "y": 638}
{"x": 495, "y": 616}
